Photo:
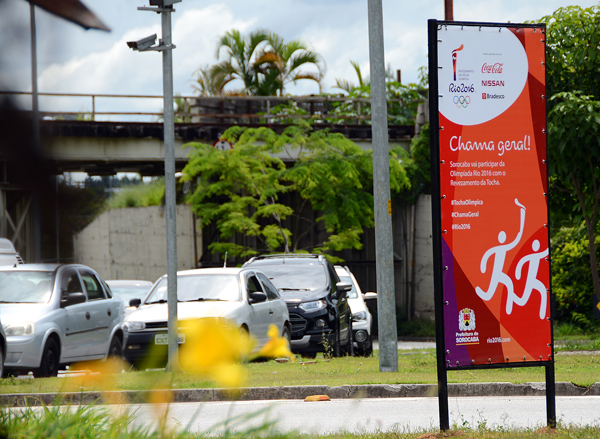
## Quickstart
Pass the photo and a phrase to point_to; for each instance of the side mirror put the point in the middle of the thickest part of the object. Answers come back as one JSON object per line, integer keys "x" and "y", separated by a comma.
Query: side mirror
{"x": 370, "y": 296}
{"x": 135, "y": 302}
{"x": 73, "y": 299}
{"x": 258, "y": 297}
{"x": 341, "y": 287}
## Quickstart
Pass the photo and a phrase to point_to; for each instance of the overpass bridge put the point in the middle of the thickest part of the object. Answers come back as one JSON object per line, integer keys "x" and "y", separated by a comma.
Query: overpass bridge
{"x": 104, "y": 141}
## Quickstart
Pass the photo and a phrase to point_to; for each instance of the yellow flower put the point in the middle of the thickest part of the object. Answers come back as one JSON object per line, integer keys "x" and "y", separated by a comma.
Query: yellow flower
{"x": 214, "y": 348}
{"x": 277, "y": 346}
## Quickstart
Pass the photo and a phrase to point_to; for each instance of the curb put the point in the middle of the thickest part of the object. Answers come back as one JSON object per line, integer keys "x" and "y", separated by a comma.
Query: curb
{"x": 299, "y": 392}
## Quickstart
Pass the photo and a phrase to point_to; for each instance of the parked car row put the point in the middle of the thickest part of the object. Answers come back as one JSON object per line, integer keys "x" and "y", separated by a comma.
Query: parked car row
{"x": 57, "y": 314}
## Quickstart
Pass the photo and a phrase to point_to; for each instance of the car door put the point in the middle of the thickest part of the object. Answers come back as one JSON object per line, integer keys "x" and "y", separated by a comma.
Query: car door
{"x": 342, "y": 306}
{"x": 259, "y": 312}
{"x": 77, "y": 318}
{"x": 102, "y": 313}
{"x": 278, "y": 310}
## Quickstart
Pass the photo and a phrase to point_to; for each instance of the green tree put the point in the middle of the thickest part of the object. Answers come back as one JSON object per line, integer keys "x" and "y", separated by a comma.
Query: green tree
{"x": 240, "y": 190}
{"x": 262, "y": 61}
{"x": 281, "y": 63}
{"x": 573, "y": 84}
{"x": 574, "y": 157}
{"x": 240, "y": 53}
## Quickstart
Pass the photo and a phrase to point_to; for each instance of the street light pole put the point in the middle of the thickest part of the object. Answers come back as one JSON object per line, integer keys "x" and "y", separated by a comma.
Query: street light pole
{"x": 165, "y": 8}
{"x": 384, "y": 251}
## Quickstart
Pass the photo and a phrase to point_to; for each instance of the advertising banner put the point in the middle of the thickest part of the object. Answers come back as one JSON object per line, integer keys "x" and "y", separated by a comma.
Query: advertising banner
{"x": 493, "y": 194}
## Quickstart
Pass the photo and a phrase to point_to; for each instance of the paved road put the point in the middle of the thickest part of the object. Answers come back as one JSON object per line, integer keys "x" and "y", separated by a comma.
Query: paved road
{"x": 372, "y": 415}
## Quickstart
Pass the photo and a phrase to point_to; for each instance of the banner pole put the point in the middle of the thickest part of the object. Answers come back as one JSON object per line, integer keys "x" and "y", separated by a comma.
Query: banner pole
{"x": 437, "y": 227}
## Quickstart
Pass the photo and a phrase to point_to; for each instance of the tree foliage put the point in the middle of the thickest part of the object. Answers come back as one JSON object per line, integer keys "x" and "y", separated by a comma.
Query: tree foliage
{"x": 262, "y": 62}
{"x": 241, "y": 190}
{"x": 573, "y": 84}
{"x": 573, "y": 50}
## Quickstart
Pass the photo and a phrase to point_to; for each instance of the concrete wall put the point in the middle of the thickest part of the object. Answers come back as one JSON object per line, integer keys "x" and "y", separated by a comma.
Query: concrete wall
{"x": 423, "y": 273}
{"x": 130, "y": 243}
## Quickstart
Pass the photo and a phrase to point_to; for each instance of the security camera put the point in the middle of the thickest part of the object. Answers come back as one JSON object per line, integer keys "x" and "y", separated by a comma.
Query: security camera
{"x": 143, "y": 44}
{"x": 163, "y": 3}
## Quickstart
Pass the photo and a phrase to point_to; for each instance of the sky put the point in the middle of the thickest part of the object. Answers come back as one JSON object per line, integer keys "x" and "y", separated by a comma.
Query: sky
{"x": 73, "y": 60}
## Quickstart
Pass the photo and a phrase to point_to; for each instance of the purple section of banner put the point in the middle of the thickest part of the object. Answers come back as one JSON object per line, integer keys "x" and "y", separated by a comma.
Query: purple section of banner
{"x": 455, "y": 355}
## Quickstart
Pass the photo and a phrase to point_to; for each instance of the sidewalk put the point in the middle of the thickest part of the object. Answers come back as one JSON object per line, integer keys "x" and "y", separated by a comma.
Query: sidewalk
{"x": 301, "y": 392}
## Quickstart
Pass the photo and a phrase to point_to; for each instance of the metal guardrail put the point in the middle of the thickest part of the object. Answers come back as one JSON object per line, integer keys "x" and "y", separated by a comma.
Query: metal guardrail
{"x": 191, "y": 111}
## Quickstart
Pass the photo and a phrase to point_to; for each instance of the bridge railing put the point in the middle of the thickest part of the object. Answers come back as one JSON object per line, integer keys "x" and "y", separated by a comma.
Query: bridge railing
{"x": 217, "y": 109}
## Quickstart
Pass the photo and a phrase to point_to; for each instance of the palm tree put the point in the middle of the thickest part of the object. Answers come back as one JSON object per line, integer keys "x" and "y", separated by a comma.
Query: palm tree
{"x": 347, "y": 86}
{"x": 239, "y": 63}
{"x": 262, "y": 61}
{"x": 282, "y": 63}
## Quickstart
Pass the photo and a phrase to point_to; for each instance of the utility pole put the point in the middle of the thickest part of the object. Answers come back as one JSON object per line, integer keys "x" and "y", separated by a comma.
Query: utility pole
{"x": 384, "y": 248}
{"x": 165, "y": 8}
{"x": 449, "y": 10}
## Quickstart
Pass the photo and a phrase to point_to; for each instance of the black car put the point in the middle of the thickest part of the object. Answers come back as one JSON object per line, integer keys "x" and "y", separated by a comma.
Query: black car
{"x": 317, "y": 301}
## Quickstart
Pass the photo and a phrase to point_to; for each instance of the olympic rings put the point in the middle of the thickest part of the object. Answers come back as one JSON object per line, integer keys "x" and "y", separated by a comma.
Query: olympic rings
{"x": 461, "y": 101}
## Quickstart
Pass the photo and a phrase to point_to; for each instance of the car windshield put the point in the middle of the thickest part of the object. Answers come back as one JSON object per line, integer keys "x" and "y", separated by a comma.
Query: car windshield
{"x": 352, "y": 294}
{"x": 296, "y": 277}
{"x": 199, "y": 288}
{"x": 25, "y": 286}
{"x": 128, "y": 292}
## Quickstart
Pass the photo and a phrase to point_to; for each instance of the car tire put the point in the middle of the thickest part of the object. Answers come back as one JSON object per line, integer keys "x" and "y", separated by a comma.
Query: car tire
{"x": 366, "y": 348}
{"x": 2, "y": 356}
{"x": 337, "y": 344}
{"x": 350, "y": 346}
{"x": 286, "y": 334}
{"x": 115, "y": 349}
{"x": 50, "y": 361}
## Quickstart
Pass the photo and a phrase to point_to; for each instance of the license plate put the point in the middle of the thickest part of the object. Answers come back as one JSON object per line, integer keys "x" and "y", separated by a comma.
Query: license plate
{"x": 164, "y": 339}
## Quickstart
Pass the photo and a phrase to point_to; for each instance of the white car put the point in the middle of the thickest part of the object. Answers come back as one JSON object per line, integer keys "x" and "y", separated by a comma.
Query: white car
{"x": 128, "y": 290}
{"x": 244, "y": 296}
{"x": 57, "y": 314}
{"x": 361, "y": 317}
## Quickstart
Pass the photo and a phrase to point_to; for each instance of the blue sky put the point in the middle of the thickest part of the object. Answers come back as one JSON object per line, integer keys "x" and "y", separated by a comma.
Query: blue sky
{"x": 73, "y": 60}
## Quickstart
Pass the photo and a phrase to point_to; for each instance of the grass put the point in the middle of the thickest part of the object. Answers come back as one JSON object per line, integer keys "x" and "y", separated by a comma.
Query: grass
{"x": 90, "y": 422}
{"x": 413, "y": 368}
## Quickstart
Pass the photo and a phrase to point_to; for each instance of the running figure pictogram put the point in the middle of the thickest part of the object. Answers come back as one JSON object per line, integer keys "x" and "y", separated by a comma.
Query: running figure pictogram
{"x": 499, "y": 252}
{"x": 532, "y": 282}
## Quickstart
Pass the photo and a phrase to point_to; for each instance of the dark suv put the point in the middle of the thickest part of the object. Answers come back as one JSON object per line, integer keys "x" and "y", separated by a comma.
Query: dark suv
{"x": 316, "y": 299}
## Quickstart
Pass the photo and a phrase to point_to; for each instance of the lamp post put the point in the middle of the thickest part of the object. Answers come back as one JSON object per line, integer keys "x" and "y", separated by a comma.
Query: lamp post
{"x": 165, "y": 7}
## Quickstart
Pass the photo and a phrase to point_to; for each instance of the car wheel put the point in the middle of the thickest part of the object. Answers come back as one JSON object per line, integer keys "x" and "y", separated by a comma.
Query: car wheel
{"x": 337, "y": 347}
{"x": 350, "y": 345}
{"x": 50, "y": 361}
{"x": 365, "y": 348}
{"x": 2, "y": 354}
{"x": 116, "y": 348}
{"x": 286, "y": 334}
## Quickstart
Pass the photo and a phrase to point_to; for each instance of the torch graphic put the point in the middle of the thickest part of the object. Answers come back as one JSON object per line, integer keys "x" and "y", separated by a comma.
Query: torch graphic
{"x": 454, "y": 56}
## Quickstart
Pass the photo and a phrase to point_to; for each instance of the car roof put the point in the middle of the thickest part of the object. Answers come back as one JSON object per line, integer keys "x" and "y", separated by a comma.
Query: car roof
{"x": 215, "y": 270}
{"x": 43, "y": 267}
{"x": 291, "y": 258}
{"x": 116, "y": 282}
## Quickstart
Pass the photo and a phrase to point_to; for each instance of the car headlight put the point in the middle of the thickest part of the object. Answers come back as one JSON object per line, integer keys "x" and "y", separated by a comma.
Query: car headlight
{"x": 17, "y": 329}
{"x": 136, "y": 326}
{"x": 313, "y": 306}
{"x": 361, "y": 315}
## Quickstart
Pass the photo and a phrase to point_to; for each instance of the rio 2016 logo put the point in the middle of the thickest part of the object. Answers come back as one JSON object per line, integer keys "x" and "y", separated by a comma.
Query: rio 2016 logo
{"x": 462, "y": 101}
{"x": 454, "y": 57}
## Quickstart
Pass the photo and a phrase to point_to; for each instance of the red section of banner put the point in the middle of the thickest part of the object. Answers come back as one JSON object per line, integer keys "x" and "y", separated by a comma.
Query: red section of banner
{"x": 493, "y": 184}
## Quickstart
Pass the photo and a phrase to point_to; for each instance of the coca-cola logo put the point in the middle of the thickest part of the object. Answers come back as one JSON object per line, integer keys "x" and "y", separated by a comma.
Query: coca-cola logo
{"x": 492, "y": 68}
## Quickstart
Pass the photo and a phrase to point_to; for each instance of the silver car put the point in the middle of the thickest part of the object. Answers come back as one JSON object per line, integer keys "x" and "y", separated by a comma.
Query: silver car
{"x": 361, "y": 317}
{"x": 243, "y": 296}
{"x": 54, "y": 315}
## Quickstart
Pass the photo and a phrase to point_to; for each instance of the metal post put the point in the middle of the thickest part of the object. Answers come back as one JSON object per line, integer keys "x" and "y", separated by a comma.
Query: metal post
{"x": 170, "y": 207}
{"x": 436, "y": 229}
{"x": 386, "y": 292}
{"x": 36, "y": 255}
